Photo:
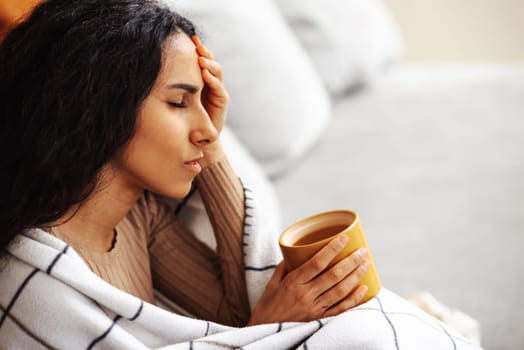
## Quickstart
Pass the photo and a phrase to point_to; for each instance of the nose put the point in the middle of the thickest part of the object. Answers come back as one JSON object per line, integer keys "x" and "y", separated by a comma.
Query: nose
{"x": 204, "y": 132}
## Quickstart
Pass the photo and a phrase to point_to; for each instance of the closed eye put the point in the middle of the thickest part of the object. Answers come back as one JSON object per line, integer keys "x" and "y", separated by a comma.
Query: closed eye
{"x": 191, "y": 89}
{"x": 177, "y": 104}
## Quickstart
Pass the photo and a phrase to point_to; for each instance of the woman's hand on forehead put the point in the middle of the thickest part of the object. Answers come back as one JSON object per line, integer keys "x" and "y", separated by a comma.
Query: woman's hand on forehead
{"x": 215, "y": 98}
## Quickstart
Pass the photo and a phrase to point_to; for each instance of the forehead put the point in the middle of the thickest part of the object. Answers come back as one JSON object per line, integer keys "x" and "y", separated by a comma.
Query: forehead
{"x": 179, "y": 61}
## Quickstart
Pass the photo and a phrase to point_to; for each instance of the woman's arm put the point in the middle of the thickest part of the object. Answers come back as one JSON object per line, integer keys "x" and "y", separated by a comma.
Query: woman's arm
{"x": 223, "y": 198}
{"x": 208, "y": 284}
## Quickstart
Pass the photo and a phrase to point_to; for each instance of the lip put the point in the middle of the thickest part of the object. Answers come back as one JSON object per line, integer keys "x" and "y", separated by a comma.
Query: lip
{"x": 193, "y": 165}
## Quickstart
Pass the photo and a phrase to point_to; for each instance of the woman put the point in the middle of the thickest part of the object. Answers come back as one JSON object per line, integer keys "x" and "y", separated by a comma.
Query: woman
{"x": 103, "y": 106}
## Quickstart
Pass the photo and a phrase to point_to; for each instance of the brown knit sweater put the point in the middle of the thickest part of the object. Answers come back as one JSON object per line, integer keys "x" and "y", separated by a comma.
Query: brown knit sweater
{"x": 154, "y": 250}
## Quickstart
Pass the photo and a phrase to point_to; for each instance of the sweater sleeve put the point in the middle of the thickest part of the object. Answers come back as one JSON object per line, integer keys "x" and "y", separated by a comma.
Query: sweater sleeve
{"x": 207, "y": 284}
{"x": 223, "y": 197}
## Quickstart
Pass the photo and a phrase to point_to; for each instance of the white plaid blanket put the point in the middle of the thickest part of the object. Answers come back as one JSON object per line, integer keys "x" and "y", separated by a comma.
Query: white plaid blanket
{"x": 49, "y": 299}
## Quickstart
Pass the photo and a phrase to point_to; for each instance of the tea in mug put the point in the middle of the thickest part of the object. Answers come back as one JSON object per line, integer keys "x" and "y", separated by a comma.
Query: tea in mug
{"x": 320, "y": 234}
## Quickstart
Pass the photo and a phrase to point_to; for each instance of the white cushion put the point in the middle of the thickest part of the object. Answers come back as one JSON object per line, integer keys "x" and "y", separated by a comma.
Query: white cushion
{"x": 350, "y": 41}
{"x": 279, "y": 106}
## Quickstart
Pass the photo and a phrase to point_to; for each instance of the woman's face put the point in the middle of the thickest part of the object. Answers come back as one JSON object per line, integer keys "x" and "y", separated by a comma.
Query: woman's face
{"x": 172, "y": 126}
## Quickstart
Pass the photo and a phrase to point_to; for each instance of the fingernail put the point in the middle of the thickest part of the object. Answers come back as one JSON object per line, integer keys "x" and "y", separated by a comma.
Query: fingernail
{"x": 196, "y": 40}
{"x": 363, "y": 290}
{"x": 202, "y": 61}
{"x": 343, "y": 240}
{"x": 365, "y": 265}
{"x": 363, "y": 252}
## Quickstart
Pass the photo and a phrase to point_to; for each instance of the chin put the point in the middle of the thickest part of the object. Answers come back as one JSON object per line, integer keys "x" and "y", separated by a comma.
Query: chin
{"x": 177, "y": 192}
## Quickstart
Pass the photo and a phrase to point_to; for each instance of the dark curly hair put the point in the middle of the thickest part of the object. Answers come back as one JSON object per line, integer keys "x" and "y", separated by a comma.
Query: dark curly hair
{"x": 72, "y": 78}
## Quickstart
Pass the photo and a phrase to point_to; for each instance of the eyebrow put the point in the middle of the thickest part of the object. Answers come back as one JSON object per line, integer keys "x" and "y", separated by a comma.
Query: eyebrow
{"x": 188, "y": 87}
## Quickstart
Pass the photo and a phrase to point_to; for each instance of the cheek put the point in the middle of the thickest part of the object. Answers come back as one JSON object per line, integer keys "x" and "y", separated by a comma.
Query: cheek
{"x": 159, "y": 134}
{"x": 156, "y": 150}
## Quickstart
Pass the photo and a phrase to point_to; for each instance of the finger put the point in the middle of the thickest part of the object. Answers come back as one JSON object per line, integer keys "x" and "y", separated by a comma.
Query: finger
{"x": 340, "y": 291}
{"x": 349, "y": 302}
{"x": 314, "y": 266}
{"x": 201, "y": 48}
{"x": 216, "y": 86}
{"x": 196, "y": 40}
{"x": 205, "y": 52}
{"x": 338, "y": 272}
{"x": 213, "y": 66}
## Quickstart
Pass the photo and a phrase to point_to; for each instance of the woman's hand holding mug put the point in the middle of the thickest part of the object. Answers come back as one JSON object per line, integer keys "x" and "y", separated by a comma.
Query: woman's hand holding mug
{"x": 327, "y": 269}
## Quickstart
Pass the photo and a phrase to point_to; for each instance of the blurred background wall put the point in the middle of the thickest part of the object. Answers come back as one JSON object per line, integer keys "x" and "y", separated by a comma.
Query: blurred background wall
{"x": 461, "y": 30}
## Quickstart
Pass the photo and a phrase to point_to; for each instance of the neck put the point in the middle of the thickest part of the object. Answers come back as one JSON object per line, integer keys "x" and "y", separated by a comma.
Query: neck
{"x": 91, "y": 225}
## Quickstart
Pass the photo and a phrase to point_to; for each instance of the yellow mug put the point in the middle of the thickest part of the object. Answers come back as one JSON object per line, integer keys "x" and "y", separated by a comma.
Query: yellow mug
{"x": 300, "y": 241}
